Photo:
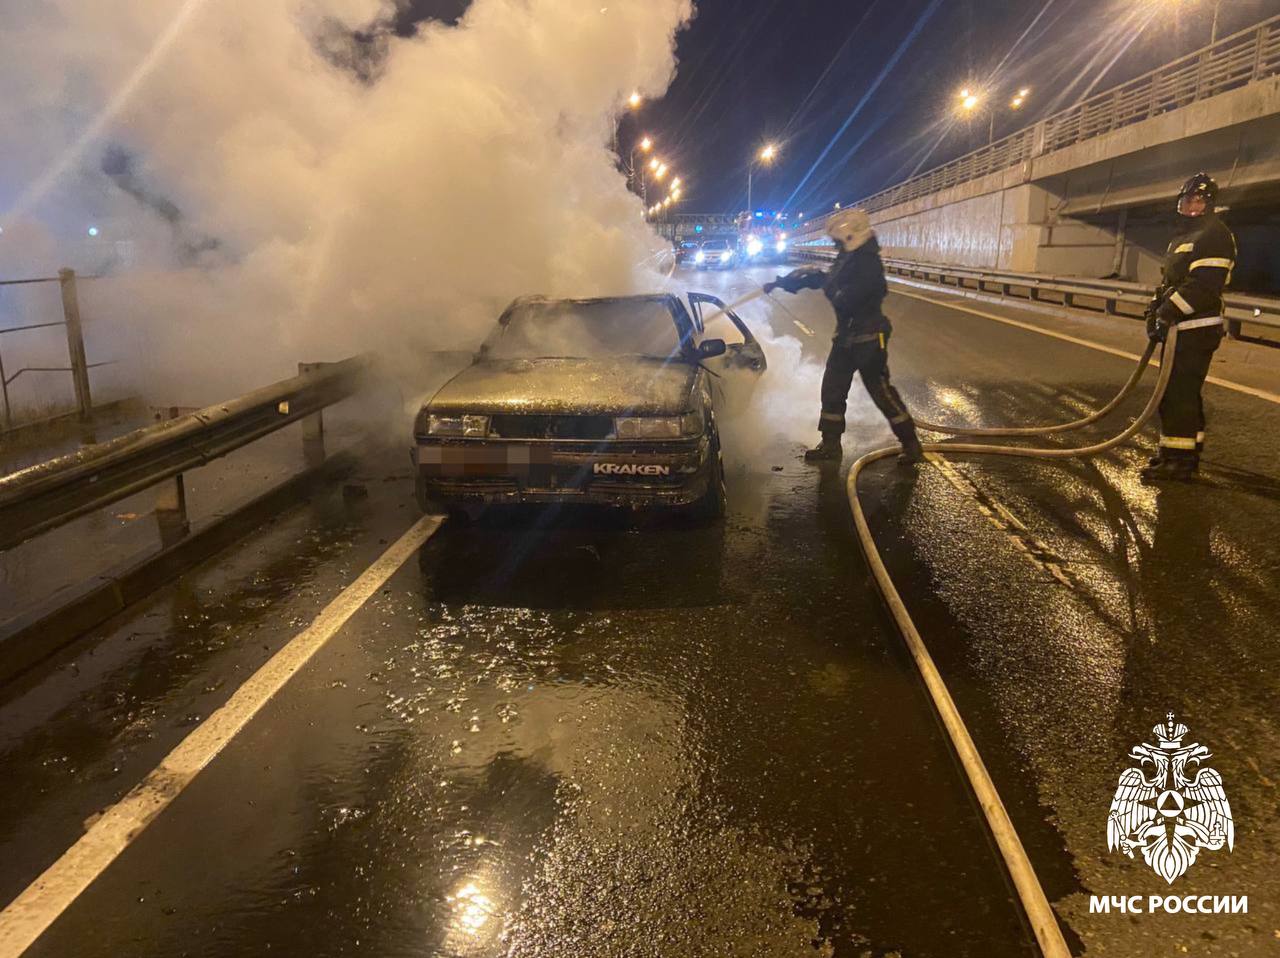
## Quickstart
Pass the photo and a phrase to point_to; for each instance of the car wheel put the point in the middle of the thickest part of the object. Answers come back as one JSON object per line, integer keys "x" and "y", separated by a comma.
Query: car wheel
{"x": 711, "y": 504}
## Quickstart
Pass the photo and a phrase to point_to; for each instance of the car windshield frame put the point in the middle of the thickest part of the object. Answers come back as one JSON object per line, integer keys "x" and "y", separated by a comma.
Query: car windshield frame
{"x": 524, "y": 309}
{"x": 716, "y": 245}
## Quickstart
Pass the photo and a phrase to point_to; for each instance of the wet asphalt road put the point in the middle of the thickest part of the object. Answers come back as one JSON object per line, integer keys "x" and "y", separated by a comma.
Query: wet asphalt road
{"x": 575, "y": 735}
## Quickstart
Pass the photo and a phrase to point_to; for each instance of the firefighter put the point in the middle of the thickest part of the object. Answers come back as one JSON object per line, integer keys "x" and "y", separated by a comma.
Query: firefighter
{"x": 855, "y": 286}
{"x": 1197, "y": 267}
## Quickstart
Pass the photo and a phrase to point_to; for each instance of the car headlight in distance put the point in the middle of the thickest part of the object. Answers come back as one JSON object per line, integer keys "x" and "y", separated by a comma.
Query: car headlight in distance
{"x": 699, "y": 256}
{"x": 471, "y": 426}
{"x": 781, "y": 246}
{"x": 658, "y": 427}
{"x": 754, "y": 246}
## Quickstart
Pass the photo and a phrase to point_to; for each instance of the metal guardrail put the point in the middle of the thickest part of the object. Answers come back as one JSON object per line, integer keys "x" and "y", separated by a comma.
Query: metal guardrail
{"x": 49, "y": 494}
{"x": 80, "y": 366}
{"x": 1074, "y": 292}
{"x": 1234, "y": 61}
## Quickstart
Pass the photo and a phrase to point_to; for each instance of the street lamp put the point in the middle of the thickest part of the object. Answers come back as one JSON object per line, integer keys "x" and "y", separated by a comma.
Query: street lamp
{"x": 635, "y": 101}
{"x": 970, "y": 100}
{"x": 766, "y": 155}
{"x": 1019, "y": 98}
{"x": 645, "y": 144}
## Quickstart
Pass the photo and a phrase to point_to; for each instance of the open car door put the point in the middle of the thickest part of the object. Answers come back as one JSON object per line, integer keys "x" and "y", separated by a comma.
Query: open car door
{"x": 738, "y": 370}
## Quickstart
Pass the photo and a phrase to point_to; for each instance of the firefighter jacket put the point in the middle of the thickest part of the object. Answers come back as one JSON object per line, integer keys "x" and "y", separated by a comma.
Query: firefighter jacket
{"x": 854, "y": 285}
{"x": 1197, "y": 267}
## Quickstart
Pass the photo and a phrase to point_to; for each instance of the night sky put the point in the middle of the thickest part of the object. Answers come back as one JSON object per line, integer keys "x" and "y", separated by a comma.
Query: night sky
{"x": 887, "y": 71}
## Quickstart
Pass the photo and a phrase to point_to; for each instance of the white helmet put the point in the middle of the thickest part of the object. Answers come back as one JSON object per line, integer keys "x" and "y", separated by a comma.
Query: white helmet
{"x": 850, "y": 228}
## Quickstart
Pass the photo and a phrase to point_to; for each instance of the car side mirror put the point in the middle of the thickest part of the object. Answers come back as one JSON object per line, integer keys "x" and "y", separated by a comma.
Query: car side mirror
{"x": 710, "y": 348}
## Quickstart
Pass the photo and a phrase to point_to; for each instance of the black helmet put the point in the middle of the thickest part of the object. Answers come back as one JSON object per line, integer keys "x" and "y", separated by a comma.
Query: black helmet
{"x": 1202, "y": 184}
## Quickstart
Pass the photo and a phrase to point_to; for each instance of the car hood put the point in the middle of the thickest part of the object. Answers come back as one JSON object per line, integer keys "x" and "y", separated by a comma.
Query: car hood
{"x": 613, "y": 386}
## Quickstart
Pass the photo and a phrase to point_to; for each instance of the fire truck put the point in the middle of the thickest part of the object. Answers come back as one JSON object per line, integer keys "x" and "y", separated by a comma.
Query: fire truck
{"x": 762, "y": 237}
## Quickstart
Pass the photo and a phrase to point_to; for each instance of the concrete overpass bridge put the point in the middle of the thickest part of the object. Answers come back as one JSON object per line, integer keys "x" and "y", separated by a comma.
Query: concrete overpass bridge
{"x": 1088, "y": 191}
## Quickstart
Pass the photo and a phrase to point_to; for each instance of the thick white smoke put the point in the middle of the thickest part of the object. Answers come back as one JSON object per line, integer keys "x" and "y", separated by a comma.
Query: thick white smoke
{"x": 281, "y": 191}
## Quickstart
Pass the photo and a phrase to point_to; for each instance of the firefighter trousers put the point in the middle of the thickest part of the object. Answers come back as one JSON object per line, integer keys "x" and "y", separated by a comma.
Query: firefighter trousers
{"x": 1182, "y": 408}
{"x": 867, "y": 354}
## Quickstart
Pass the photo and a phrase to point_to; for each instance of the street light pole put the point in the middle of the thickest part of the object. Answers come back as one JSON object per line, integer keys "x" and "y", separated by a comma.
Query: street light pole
{"x": 1213, "y": 32}
{"x": 766, "y": 155}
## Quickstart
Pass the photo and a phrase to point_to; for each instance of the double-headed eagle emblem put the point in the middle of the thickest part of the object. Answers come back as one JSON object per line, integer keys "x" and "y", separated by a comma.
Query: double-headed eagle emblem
{"x": 1170, "y": 806}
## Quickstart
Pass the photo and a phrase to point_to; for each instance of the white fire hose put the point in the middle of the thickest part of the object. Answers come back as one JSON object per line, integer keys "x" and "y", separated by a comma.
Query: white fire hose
{"x": 1040, "y": 914}
{"x": 1043, "y": 921}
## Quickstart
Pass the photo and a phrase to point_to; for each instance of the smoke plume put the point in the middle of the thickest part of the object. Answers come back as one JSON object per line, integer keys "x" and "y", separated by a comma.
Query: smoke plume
{"x": 295, "y": 181}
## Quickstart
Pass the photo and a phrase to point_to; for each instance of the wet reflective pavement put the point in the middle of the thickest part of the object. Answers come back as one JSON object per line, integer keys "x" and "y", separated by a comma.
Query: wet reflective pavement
{"x": 570, "y": 734}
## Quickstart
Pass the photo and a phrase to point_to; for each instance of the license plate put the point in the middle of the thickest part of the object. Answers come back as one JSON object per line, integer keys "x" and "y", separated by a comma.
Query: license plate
{"x": 483, "y": 460}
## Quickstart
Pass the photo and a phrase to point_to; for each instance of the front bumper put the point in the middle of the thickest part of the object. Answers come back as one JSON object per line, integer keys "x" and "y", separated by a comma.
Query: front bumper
{"x": 630, "y": 474}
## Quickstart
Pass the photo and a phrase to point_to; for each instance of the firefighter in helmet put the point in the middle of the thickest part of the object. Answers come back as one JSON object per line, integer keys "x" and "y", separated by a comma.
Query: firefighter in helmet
{"x": 1197, "y": 267}
{"x": 855, "y": 286}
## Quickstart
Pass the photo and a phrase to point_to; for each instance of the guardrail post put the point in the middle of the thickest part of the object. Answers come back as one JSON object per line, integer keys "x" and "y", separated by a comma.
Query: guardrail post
{"x": 312, "y": 426}
{"x": 4, "y": 393}
{"x": 171, "y": 497}
{"x": 75, "y": 342}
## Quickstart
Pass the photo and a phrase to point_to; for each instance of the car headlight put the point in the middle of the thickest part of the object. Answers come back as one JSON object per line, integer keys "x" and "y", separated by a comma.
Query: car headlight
{"x": 754, "y": 246}
{"x": 658, "y": 427}
{"x": 699, "y": 256}
{"x": 471, "y": 426}
{"x": 781, "y": 246}
{"x": 726, "y": 256}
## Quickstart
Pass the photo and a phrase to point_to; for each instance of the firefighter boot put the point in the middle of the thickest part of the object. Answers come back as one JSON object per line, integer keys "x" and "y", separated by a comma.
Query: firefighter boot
{"x": 912, "y": 452}
{"x": 828, "y": 450}
{"x": 1181, "y": 469}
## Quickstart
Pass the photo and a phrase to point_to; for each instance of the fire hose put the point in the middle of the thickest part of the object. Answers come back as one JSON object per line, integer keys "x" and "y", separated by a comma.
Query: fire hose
{"x": 1043, "y": 921}
{"x": 1040, "y": 914}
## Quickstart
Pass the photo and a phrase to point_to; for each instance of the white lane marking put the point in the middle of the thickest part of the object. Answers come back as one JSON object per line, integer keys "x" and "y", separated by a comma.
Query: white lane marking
{"x": 1224, "y": 383}
{"x": 29, "y": 915}
{"x": 803, "y": 328}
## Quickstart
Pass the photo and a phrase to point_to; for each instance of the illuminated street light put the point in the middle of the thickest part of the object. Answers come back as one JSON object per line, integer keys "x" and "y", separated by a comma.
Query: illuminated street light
{"x": 675, "y": 182}
{"x": 634, "y": 172}
{"x": 635, "y": 100}
{"x": 969, "y": 100}
{"x": 660, "y": 172}
{"x": 653, "y": 164}
{"x": 766, "y": 155}
{"x": 1020, "y": 98}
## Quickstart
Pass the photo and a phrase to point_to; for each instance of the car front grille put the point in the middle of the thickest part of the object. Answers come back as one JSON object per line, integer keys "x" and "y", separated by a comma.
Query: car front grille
{"x": 551, "y": 427}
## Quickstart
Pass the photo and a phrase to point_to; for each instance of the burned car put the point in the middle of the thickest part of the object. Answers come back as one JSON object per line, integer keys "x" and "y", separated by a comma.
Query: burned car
{"x": 611, "y": 401}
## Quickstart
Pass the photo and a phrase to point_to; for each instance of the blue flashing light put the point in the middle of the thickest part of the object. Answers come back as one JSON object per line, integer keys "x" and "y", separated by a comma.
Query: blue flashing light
{"x": 759, "y": 214}
{"x": 93, "y": 231}
{"x": 698, "y": 228}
